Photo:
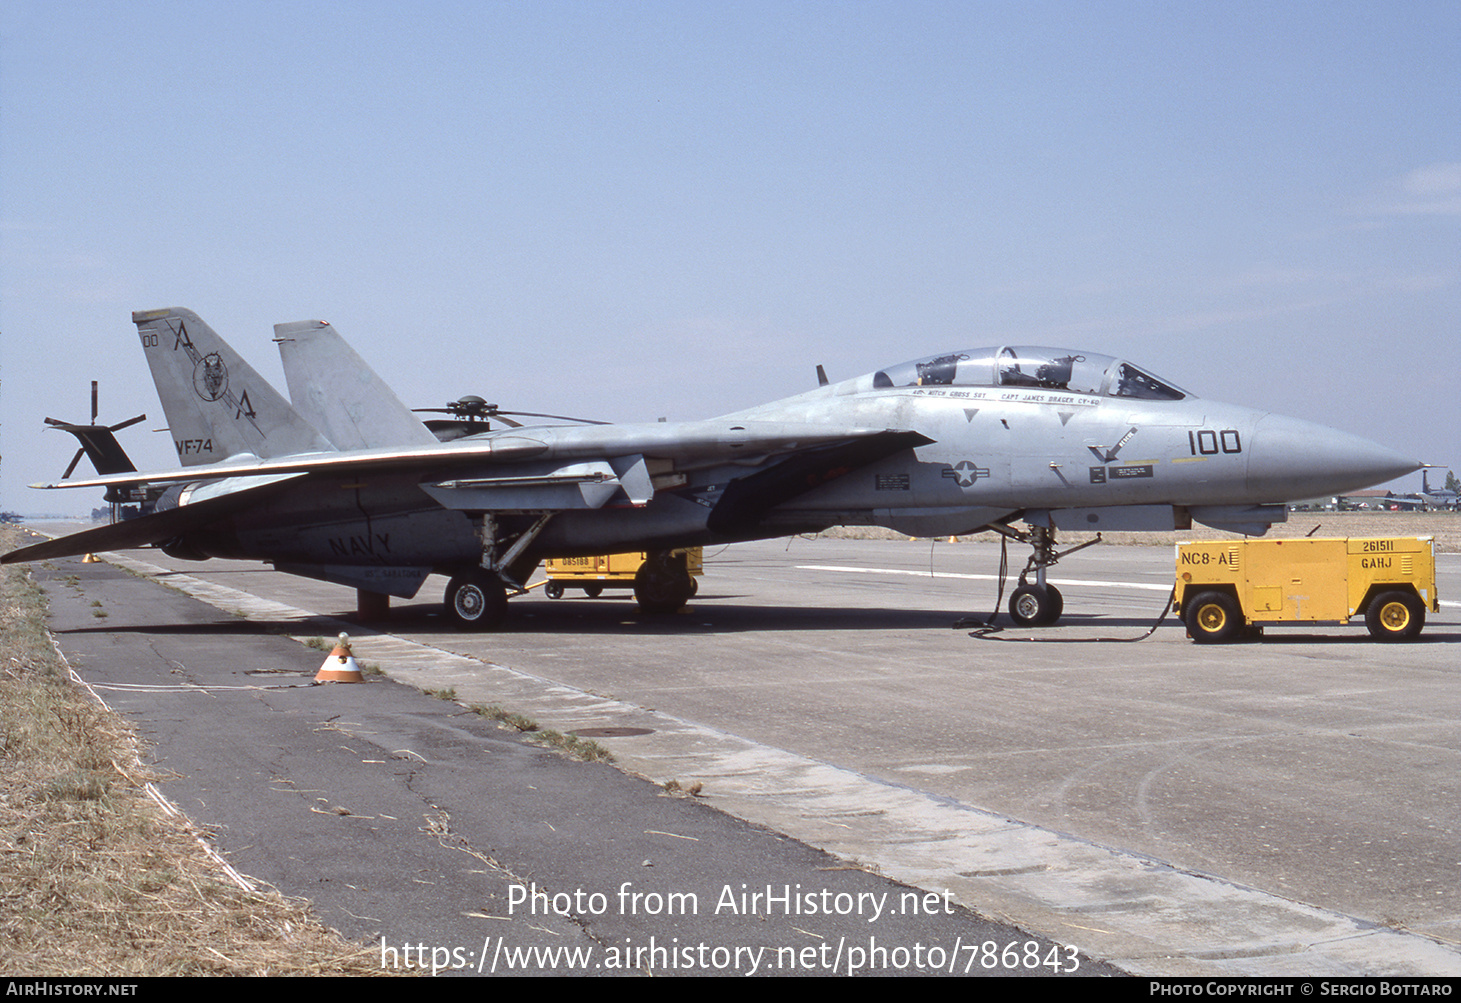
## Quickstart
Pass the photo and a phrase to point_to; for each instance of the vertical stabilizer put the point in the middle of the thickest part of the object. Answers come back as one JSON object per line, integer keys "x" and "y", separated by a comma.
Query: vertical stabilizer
{"x": 217, "y": 406}
{"x": 339, "y": 394}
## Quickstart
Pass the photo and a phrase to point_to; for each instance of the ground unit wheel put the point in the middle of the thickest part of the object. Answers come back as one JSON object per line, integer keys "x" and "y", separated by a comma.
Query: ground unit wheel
{"x": 476, "y": 600}
{"x": 1033, "y": 606}
{"x": 553, "y": 590}
{"x": 662, "y": 584}
{"x": 593, "y": 591}
{"x": 1214, "y": 617}
{"x": 1395, "y": 616}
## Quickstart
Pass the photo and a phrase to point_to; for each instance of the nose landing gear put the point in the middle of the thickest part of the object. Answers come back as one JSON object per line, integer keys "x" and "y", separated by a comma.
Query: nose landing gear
{"x": 1039, "y": 604}
{"x": 1036, "y": 605}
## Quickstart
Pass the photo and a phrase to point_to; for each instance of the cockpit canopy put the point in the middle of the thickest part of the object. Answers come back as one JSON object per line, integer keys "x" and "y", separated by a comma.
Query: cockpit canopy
{"x": 1027, "y": 366}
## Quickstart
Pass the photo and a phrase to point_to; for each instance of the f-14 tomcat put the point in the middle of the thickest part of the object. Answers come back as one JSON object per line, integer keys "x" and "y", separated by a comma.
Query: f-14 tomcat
{"x": 348, "y": 486}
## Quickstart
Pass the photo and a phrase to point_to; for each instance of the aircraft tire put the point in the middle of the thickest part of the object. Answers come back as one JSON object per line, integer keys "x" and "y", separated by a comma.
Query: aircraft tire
{"x": 1395, "y": 616}
{"x": 1032, "y": 606}
{"x": 1057, "y": 606}
{"x": 1214, "y": 617}
{"x": 553, "y": 590}
{"x": 476, "y": 601}
{"x": 662, "y": 585}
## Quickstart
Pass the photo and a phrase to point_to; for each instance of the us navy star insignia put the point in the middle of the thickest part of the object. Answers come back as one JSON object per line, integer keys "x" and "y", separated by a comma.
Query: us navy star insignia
{"x": 965, "y": 473}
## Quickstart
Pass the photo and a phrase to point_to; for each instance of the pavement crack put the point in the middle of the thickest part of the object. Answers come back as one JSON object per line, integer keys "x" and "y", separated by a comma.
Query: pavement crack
{"x": 438, "y": 824}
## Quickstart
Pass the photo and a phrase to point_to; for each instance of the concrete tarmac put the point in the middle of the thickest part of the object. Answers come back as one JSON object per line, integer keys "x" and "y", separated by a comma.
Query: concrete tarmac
{"x": 455, "y": 847}
{"x": 1281, "y": 807}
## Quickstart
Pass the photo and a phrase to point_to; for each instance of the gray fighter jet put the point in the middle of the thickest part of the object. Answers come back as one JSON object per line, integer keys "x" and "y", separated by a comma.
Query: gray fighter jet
{"x": 349, "y": 487}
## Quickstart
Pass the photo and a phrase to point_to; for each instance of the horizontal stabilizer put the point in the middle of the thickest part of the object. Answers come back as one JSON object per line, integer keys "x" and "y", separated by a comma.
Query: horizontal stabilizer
{"x": 333, "y": 463}
{"x": 157, "y": 527}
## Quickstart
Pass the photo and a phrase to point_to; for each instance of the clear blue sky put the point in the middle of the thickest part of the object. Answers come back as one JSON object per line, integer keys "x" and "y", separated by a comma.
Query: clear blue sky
{"x": 634, "y": 210}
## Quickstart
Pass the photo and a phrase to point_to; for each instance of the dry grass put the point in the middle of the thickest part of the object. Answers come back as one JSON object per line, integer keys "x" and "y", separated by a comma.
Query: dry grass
{"x": 1444, "y": 526}
{"x": 570, "y": 744}
{"x": 94, "y": 878}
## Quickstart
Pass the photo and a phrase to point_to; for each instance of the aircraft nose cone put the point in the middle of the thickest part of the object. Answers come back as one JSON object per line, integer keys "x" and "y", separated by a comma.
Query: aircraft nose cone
{"x": 1291, "y": 459}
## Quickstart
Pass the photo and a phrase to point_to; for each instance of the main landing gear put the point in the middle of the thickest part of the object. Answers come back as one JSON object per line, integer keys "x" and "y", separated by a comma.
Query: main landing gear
{"x": 1039, "y": 604}
{"x": 476, "y": 598}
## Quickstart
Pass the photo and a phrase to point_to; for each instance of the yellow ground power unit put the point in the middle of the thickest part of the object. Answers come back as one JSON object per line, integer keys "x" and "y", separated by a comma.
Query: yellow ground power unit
{"x": 612, "y": 571}
{"x": 1229, "y": 588}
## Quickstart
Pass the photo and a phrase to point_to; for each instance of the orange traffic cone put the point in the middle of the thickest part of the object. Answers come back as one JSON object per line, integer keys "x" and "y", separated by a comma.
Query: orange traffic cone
{"x": 340, "y": 666}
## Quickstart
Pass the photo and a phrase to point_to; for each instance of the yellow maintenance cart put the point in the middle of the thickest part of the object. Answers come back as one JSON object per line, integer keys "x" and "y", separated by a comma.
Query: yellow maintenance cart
{"x": 661, "y": 583}
{"x": 1226, "y": 588}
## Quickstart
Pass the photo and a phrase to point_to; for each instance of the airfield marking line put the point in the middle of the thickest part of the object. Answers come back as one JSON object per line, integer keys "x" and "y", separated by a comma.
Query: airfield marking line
{"x": 990, "y": 578}
{"x": 1189, "y": 922}
{"x": 983, "y": 578}
{"x": 163, "y": 802}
